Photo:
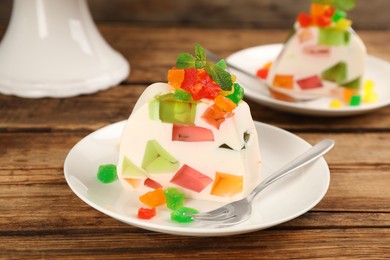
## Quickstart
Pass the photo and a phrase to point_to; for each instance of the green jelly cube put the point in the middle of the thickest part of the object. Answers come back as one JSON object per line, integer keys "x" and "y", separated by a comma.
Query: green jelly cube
{"x": 182, "y": 95}
{"x": 336, "y": 73}
{"x": 176, "y": 111}
{"x": 180, "y": 216}
{"x": 107, "y": 173}
{"x": 174, "y": 198}
{"x": 355, "y": 100}
{"x": 338, "y": 14}
{"x": 129, "y": 169}
{"x": 333, "y": 37}
{"x": 238, "y": 93}
{"x": 157, "y": 159}
{"x": 353, "y": 84}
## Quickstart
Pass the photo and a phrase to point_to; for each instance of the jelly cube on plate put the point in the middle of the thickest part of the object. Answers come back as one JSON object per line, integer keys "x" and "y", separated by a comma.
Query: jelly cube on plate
{"x": 174, "y": 198}
{"x": 355, "y": 100}
{"x": 189, "y": 178}
{"x": 180, "y": 216}
{"x": 145, "y": 213}
{"x": 153, "y": 198}
{"x": 107, "y": 173}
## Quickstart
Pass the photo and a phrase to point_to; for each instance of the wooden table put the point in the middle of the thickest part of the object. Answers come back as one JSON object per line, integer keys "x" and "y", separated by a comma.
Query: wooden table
{"x": 42, "y": 218}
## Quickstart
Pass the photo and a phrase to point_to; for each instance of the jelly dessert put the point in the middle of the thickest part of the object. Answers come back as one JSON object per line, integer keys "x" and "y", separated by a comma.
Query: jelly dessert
{"x": 194, "y": 134}
{"x": 323, "y": 55}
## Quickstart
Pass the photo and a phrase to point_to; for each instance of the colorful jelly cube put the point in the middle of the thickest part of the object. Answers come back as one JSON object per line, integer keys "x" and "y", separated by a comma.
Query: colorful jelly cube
{"x": 199, "y": 84}
{"x": 343, "y": 24}
{"x": 355, "y": 100}
{"x": 284, "y": 81}
{"x": 370, "y": 97}
{"x": 305, "y": 35}
{"x": 107, "y": 173}
{"x": 180, "y": 215}
{"x": 135, "y": 183}
{"x": 145, "y": 213}
{"x": 238, "y": 93}
{"x": 336, "y": 73}
{"x": 226, "y": 185}
{"x": 336, "y": 104}
{"x": 181, "y": 95}
{"x": 317, "y": 9}
{"x": 323, "y": 21}
{"x": 153, "y": 198}
{"x": 152, "y": 183}
{"x": 191, "y": 134}
{"x": 310, "y": 82}
{"x": 304, "y": 20}
{"x": 189, "y": 178}
{"x": 353, "y": 84}
{"x": 129, "y": 169}
{"x": 224, "y": 103}
{"x": 174, "y": 198}
{"x": 333, "y": 37}
{"x": 157, "y": 159}
{"x": 338, "y": 14}
{"x": 174, "y": 111}
{"x": 317, "y": 51}
{"x": 348, "y": 93}
{"x": 215, "y": 116}
{"x": 175, "y": 77}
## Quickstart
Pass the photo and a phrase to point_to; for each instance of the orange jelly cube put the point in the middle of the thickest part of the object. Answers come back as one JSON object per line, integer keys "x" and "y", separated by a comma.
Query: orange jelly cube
{"x": 215, "y": 116}
{"x": 317, "y": 10}
{"x": 153, "y": 198}
{"x": 284, "y": 81}
{"x": 226, "y": 104}
{"x": 175, "y": 77}
{"x": 348, "y": 93}
{"x": 226, "y": 184}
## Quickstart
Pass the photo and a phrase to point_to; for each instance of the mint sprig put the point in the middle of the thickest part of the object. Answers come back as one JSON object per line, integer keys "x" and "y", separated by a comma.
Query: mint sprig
{"x": 345, "y": 5}
{"x": 216, "y": 71}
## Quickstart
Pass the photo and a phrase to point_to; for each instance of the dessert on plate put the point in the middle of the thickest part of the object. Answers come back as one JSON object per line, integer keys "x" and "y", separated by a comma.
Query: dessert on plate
{"x": 323, "y": 56}
{"x": 194, "y": 133}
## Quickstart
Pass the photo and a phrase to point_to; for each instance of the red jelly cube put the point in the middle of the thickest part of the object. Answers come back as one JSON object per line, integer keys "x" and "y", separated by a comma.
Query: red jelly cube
{"x": 199, "y": 84}
{"x": 310, "y": 82}
{"x": 323, "y": 21}
{"x": 152, "y": 184}
{"x": 191, "y": 134}
{"x": 189, "y": 178}
{"x": 145, "y": 213}
{"x": 304, "y": 20}
{"x": 262, "y": 73}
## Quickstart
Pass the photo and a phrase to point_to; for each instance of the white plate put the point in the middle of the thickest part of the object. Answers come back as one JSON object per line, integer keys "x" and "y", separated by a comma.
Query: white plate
{"x": 282, "y": 201}
{"x": 254, "y": 58}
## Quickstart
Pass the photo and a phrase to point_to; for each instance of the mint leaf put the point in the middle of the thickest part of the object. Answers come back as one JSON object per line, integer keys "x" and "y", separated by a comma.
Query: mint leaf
{"x": 219, "y": 75}
{"x": 344, "y": 5}
{"x": 200, "y": 53}
{"x": 185, "y": 60}
{"x": 200, "y": 64}
{"x": 222, "y": 64}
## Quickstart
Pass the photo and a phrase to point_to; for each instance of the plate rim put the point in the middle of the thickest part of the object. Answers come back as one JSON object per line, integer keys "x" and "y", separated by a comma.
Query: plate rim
{"x": 196, "y": 231}
{"x": 300, "y": 108}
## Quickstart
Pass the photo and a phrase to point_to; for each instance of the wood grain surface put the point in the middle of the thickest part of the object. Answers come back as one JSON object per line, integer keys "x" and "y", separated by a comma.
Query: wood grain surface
{"x": 41, "y": 218}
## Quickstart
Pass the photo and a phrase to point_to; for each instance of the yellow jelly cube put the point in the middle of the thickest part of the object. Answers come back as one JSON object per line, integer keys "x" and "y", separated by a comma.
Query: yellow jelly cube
{"x": 225, "y": 104}
{"x": 226, "y": 184}
{"x": 368, "y": 85}
{"x": 343, "y": 24}
{"x": 336, "y": 104}
{"x": 370, "y": 97}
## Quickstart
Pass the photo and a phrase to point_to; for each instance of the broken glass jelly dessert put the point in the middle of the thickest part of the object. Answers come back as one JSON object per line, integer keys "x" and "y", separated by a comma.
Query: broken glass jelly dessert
{"x": 107, "y": 173}
{"x": 323, "y": 55}
{"x": 194, "y": 133}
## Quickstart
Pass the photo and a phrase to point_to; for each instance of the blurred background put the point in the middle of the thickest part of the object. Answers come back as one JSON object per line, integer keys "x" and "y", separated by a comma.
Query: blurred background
{"x": 267, "y": 14}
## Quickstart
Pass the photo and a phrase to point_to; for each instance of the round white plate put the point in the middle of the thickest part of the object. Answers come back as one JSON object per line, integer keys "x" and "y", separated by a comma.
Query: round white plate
{"x": 282, "y": 201}
{"x": 254, "y": 58}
